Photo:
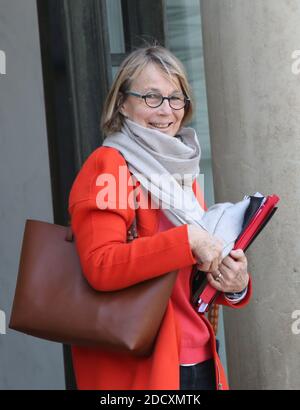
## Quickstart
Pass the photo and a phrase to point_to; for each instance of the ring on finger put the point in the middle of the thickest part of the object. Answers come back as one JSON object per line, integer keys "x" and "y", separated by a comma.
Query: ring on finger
{"x": 219, "y": 277}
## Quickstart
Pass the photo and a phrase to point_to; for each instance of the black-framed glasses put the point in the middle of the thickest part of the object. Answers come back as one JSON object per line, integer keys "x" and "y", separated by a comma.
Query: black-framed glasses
{"x": 154, "y": 100}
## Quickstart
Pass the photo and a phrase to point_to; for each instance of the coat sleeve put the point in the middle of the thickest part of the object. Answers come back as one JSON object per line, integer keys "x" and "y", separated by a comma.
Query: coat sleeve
{"x": 108, "y": 261}
{"x": 221, "y": 300}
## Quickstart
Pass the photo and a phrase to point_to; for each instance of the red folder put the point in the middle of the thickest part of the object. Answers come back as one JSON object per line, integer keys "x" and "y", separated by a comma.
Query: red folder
{"x": 205, "y": 294}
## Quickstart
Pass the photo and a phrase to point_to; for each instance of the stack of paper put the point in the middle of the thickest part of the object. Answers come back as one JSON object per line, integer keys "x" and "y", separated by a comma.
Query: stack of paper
{"x": 257, "y": 215}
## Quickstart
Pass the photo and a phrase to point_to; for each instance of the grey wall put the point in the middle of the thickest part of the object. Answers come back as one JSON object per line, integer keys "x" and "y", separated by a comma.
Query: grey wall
{"x": 25, "y": 362}
{"x": 254, "y": 106}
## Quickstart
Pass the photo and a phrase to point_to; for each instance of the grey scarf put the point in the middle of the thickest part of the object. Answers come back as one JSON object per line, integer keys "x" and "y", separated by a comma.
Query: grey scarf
{"x": 166, "y": 166}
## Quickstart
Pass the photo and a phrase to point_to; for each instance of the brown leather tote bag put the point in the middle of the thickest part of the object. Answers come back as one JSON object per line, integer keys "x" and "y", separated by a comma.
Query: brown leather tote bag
{"x": 54, "y": 301}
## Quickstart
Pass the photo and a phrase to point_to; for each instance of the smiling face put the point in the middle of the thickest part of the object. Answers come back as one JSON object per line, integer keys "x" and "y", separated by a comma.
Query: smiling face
{"x": 163, "y": 118}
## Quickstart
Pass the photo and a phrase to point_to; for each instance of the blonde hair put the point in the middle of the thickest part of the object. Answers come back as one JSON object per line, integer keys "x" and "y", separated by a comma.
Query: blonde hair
{"x": 112, "y": 119}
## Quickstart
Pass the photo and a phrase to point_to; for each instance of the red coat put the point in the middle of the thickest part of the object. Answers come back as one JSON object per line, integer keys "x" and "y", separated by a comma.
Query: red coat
{"x": 109, "y": 263}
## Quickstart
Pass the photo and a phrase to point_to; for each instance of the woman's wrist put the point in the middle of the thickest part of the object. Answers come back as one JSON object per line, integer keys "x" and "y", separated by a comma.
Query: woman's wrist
{"x": 236, "y": 296}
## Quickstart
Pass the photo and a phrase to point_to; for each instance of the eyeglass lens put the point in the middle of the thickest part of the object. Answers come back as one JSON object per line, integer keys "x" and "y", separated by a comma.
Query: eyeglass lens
{"x": 155, "y": 100}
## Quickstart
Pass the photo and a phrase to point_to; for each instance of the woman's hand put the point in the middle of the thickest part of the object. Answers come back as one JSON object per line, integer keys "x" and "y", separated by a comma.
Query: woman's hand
{"x": 206, "y": 248}
{"x": 232, "y": 274}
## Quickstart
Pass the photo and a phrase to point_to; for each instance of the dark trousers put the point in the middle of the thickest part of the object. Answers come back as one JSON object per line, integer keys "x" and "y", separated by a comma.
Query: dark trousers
{"x": 198, "y": 377}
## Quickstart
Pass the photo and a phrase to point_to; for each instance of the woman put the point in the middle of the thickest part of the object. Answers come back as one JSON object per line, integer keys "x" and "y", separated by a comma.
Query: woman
{"x": 146, "y": 109}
